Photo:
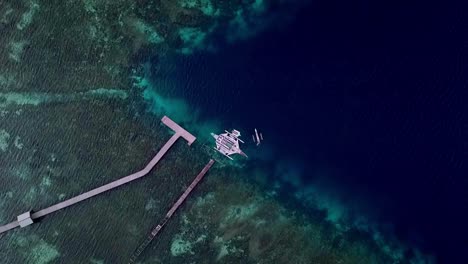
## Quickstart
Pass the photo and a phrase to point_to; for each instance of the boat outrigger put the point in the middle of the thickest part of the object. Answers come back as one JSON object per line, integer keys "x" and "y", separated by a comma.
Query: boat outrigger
{"x": 257, "y": 138}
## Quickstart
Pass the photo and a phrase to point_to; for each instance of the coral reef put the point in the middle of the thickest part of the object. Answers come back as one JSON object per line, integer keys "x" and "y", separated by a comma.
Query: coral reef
{"x": 4, "y": 140}
{"x": 74, "y": 72}
{"x": 246, "y": 227}
{"x": 94, "y": 43}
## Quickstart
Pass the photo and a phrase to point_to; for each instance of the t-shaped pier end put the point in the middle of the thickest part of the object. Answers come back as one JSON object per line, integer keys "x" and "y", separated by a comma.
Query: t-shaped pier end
{"x": 178, "y": 130}
{"x": 28, "y": 218}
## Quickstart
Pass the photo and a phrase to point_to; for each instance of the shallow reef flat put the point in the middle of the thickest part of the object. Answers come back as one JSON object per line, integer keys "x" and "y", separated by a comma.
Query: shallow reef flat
{"x": 228, "y": 219}
{"x": 72, "y": 119}
{"x": 70, "y": 46}
{"x": 87, "y": 145}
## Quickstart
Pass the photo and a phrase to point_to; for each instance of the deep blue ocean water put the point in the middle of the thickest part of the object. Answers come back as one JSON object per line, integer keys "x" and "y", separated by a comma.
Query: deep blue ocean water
{"x": 369, "y": 100}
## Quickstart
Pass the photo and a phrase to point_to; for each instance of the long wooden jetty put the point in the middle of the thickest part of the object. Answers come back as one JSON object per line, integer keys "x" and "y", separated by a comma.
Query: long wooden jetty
{"x": 28, "y": 218}
{"x": 176, "y": 205}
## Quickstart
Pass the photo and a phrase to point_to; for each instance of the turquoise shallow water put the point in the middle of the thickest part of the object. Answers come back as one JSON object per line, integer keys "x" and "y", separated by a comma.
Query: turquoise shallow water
{"x": 355, "y": 160}
{"x": 355, "y": 106}
{"x": 95, "y": 141}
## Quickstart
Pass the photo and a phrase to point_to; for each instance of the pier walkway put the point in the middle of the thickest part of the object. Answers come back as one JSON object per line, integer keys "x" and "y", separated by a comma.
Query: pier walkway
{"x": 28, "y": 217}
{"x": 176, "y": 205}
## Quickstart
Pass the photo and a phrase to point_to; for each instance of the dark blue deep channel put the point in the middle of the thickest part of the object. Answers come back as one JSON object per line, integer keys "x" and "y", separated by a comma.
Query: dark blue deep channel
{"x": 373, "y": 96}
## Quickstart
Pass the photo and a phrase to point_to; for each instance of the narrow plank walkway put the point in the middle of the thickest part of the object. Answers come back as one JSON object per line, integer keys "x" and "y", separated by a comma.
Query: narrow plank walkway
{"x": 176, "y": 205}
{"x": 179, "y": 132}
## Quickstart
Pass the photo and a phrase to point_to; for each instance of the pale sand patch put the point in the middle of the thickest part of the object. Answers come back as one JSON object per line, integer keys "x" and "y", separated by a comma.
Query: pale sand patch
{"x": 4, "y": 138}
{"x": 35, "y": 99}
{"x": 18, "y": 143}
{"x": 27, "y": 17}
{"x": 96, "y": 261}
{"x": 151, "y": 204}
{"x": 37, "y": 250}
{"x": 181, "y": 246}
{"x": 43, "y": 253}
{"x": 16, "y": 50}
{"x": 23, "y": 171}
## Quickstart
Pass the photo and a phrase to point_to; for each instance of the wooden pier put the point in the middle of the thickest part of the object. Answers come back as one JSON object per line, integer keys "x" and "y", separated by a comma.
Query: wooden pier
{"x": 176, "y": 205}
{"x": 28, "y": 218}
